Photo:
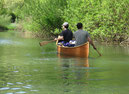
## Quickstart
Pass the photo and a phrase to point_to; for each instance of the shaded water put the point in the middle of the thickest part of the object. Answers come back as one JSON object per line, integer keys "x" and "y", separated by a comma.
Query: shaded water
{"x": 27, "y": 68}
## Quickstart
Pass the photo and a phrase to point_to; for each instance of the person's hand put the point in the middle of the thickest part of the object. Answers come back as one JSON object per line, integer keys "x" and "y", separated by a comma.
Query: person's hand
{"x": 56, "y": 39}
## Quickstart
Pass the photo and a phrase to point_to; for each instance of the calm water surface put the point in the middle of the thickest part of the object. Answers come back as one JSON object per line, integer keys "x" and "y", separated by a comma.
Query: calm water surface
{"x": 27, "y": 68}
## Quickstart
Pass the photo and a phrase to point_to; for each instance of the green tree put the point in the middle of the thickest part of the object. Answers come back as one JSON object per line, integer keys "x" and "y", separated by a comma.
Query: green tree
{"x": 102, "y": 18}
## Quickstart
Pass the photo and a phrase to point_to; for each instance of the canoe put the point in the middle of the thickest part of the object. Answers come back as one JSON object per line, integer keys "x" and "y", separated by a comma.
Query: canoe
{"x": 79, "y": 51}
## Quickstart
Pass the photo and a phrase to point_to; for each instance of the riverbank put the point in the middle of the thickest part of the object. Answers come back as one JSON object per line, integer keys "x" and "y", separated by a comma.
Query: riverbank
{"x": 122, "y": 40}
{"x": 3, "y": 28}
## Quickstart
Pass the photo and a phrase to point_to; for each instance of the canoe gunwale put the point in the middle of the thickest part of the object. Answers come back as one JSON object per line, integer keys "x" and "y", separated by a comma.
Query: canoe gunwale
{"x": 72, "y": 47}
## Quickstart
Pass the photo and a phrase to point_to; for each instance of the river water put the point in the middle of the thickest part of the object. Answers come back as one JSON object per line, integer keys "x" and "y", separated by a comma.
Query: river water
{"x": 27, "y": 68}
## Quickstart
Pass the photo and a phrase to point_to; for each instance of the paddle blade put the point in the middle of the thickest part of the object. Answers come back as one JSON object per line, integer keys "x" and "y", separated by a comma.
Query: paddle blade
{"x": 43, "y": 43}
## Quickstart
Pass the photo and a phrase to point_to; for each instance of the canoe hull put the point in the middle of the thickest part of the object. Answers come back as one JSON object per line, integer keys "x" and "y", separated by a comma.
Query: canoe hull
{"x": 79, "y": 51}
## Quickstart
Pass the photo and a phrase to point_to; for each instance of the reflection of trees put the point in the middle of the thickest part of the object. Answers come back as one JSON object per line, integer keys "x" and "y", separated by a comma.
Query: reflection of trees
{"x": 11, "y": 60}
{"x": 74, "y": 72}
{"x": 2, "y": 67}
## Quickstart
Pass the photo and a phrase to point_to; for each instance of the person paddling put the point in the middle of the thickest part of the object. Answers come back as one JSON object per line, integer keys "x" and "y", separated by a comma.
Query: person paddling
{"x": 66, "y": 35}
{"x": 64, "y": 38}
{"x": 82, "y": 36}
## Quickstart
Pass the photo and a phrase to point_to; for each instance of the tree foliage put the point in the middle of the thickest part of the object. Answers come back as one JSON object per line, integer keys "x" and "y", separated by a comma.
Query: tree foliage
{"x": 4, "y": 17}
{"x": 45, "y": 13}
{"x": 101, "y": 18}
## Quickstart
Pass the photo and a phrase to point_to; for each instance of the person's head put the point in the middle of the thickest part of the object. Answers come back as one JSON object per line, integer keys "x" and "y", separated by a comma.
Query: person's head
{"x": 65, "y": 25}
{"x": 79, "y": 25}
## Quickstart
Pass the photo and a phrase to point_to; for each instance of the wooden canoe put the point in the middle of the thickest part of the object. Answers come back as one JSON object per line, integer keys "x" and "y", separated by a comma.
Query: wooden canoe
{"x": 79, "y": 51}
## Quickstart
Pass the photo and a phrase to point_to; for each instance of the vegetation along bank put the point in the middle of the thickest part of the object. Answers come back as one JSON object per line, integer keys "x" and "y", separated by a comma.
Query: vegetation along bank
{"x": 105, "y": 20}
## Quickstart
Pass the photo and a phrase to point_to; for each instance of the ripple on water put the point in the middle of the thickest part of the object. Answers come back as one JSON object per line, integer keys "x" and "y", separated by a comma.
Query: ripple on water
{"x": 28, "y": 54}
{"x": 27, "y": 75}
{"x": 27, "y": 86}
{"x": 28, "y": 80}
{"x": 9, "y": 42}
{"x": 15, "y": 71}
{"x": 44, "y": 59}
{"x": 10, "y": 83}
{"x": 21, "y": 92}
{"x": 5, "y": 88}
{"x": 35, "y": 70}
{"x": 19, "y": 83}
{"x": 34, "y": 90}
{"x": 9, "y": 93}
{"x": 16, "y": 88}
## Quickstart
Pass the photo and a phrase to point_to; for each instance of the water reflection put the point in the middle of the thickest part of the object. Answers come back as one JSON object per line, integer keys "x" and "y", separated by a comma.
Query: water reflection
{"x": 25, "y": 67}
{"x": 4, "y": 88}
{"x": 15, "y": 88}
{"x": 74, "y": 72}
{"x": 82, "y": 66}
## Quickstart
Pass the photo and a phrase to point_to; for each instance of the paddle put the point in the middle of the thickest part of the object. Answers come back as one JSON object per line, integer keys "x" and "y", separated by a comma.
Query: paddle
{"x": 98, "y": 52}
{"x": 45, "y": 42}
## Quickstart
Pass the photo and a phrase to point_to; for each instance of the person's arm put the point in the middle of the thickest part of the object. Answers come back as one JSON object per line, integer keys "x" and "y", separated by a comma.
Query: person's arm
{"x": 91, "y": 42}
{"x": 59, "y": 38}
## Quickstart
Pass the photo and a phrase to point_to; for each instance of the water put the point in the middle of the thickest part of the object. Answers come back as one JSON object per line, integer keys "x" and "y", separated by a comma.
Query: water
{"x": 27, "y": 68}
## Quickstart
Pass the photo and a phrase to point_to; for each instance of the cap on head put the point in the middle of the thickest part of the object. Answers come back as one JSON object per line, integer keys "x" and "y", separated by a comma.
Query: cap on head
{"x": 65, "y": 23}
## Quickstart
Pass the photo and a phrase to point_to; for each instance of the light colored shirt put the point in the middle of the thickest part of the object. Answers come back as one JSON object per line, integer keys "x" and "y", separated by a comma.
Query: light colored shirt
{"x": 81, "y": 37}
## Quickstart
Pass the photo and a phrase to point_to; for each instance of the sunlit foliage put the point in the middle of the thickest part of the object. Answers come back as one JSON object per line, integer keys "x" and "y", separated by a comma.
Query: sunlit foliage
{"x": 102, "y": 18}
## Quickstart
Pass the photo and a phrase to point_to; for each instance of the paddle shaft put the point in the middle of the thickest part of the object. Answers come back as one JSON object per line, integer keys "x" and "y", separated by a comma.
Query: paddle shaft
{"x": 98, "y": 52}
{"x": 45, "y": 42}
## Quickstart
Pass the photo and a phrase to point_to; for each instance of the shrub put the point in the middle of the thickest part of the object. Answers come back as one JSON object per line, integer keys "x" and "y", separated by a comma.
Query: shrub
{"x": 102, "y": 18}
{"x": 4, "y": 21}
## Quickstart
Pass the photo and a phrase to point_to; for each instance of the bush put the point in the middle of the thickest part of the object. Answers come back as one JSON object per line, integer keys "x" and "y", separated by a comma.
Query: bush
{"x": 46, "y": 13}
{"x": 102, "y": 18}
{"x": 4, "y": 21}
